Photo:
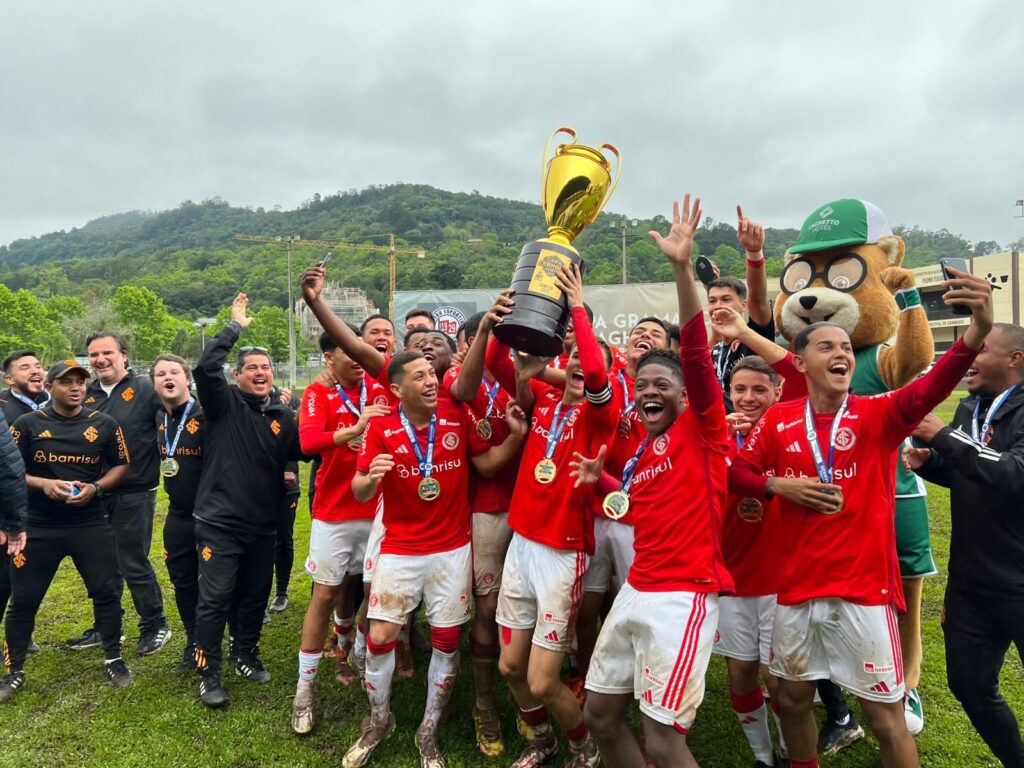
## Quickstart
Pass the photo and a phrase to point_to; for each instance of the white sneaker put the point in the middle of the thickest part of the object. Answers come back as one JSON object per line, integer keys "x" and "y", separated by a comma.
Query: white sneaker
{"x": 303, "y": 713}
{"x": 913, "y": 711}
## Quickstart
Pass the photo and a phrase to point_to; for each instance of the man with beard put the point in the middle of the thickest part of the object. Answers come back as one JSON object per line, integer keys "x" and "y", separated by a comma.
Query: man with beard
{"x": 130, "y": 400}
{"x": 980, "y": 458}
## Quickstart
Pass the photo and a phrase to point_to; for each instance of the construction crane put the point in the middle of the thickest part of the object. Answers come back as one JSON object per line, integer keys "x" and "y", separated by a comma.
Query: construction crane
{"x": 294, "y": 240}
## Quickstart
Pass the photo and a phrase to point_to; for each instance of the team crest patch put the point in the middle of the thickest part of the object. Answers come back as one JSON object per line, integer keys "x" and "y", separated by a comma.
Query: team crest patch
{"x": 311, "y": 565}
{"x": 450, "y": 441}
{"x": 660, "y": 445}
{"x": 19, "y": 560}
{"x": 14, "y": 433}
{"x": 128, "y": 394}
{"x": 846, "y": 438}
{"x": 380, "y": 400}
{"x": 91, "y": 434}
{"x": 275, "y": 427}
{"x": 374, "y": 600}
{"x": 192, "y": 426}
{"x": 207, "y": 553}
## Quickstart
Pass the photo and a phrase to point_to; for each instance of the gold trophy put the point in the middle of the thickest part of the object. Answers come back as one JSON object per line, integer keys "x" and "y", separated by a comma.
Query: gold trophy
{"x": 576, "y": 184}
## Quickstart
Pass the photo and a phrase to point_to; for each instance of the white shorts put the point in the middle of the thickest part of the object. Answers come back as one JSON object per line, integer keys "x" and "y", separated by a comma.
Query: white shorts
{"x": 442, "y": 581}
{"x": 657, "y": 645}
{"x": 491, "y": 536}
{"x": 857, "y": 646}
{"x": 745, "y": 628}
{"x": 373, "y": 543}
{"x": 613, "y": 555}
{"x": 336, "y": 550}
{"x": 541, "y": 590}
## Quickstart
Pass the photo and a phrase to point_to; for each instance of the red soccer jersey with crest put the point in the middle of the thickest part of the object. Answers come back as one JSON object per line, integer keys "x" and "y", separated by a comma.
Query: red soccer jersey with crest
{"x": 556, "y": 514}
{"x": 852, "y": 554}
{"x": 751, "y": 538}
{"x": 488, "y": 494}
{"x": 679, "y": 486}
{"x": 323, "y": 411}
{"x": 414, "y": 526}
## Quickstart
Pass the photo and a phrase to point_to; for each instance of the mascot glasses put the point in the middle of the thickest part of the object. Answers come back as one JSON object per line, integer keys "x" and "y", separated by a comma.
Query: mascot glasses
{"x": 843, "y": 272}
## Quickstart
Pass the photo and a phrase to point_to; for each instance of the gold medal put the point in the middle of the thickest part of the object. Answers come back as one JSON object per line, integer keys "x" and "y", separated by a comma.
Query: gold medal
{"x": 750, "y": 510}
{"x": 839, "y": 498}
{"x": 169, "y": 467}
{"x": 429, "y": 489}
{"x": 545, "y": 471}
{"x": 484, "y": 429}
{"x": 616, "y": 505}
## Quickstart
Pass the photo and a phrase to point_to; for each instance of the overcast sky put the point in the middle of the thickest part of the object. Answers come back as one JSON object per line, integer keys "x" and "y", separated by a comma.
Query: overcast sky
{"x": 916, "y": 106}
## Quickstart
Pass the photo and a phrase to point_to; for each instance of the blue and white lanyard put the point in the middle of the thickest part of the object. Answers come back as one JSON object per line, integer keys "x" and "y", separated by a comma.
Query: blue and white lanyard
{"x": 628, "y": 404}
{"x": 630, "y": 468}
{"x": 996, "y": 405}
{"x": 825, "y": 471}
{"x": 426, "y": 461}
{"x": 30, "y": 402}
{"x": 492, "y": 392}
{"x": 357, "y": 412}
{"x": 171, "y": 447}
{"x": 557, "y": 428}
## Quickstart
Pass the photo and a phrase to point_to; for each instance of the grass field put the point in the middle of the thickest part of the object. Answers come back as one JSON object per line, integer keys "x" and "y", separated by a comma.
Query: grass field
{"x": 68, "y": 715}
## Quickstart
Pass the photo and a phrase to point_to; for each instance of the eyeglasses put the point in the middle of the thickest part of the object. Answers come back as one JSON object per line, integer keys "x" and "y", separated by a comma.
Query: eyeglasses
{"x": 247, "y": 350}
{"x": 842, "y": 273}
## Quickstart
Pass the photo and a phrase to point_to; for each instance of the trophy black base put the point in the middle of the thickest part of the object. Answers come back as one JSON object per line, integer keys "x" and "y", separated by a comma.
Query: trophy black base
{"x": 537, "y": 323}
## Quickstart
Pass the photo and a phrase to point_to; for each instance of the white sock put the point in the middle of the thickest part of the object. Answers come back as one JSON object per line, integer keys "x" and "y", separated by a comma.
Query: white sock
{"x": 308, "y": 664}
{"x": 343, "y": 632}
{"x": 359, "y": 647}
{"x": 755, "y": 728}
{"x": 440, "y": 684}
{"x": 379, "y": 670}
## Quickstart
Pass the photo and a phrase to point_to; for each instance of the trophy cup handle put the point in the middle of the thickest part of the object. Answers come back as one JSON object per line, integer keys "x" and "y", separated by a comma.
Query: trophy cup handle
{"x": 618, "y": 170}
{"x": 544, "y": 160}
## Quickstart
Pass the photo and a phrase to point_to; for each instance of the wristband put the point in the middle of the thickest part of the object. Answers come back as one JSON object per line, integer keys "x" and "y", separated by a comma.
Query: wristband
{"x": 907, "y": 299}
{"x": 756, "y": 264}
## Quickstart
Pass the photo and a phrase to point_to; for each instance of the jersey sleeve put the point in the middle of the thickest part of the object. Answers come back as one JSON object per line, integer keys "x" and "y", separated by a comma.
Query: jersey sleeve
{"x": 703, "y": 392}
{"x": 115, "y": 449}
{"x": 794, "y": 383}
{"x": 18, "y": 431}
{"x": 314, "y": 435}
{"x": 500, "y": 364}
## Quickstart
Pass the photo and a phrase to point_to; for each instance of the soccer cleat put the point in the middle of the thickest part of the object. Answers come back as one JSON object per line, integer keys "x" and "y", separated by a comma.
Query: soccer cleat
{"x": 279, "y": 603}
{"x": 430, "y": 754}
{"x": 118, "y": 672}
{"x": 526, "y": 731}
{"x": 32, "y": 647}
{"x": 153, "y": 642}
{"x": 403, "y": 660}
{"x": 303, "y": 714}
{"x": 188, "y": 658}
{"x": 836, "y": 736}
{"x": 343, "y": 671}
{"x": 249, "y": 666}
{"x": 913, "y": 711}
{"x": 10, "y": 684}
{"x": 487, "y": 723}
{"x": 538, "y": 752}
{"x": 577, "y": 686}
{"x": 584, "y": 754}
{"x": 88, "y": 639}
{"x": 211, "y": 692}
{"x": 374, "y": 731}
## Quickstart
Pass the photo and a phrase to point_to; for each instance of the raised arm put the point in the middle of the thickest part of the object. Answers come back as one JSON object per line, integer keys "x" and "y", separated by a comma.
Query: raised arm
{"x": 467, "y": 385}
{"x": 499, "y": 362}
{"x": 368, "y": 357}
{"x": 751, "y": 237}
{"x": 595, "y": 371}
{"x": 211, "y": 386}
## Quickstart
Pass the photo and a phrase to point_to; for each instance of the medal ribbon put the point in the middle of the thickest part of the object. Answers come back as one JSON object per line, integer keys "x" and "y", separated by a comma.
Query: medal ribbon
{"x": 29, "y": 401}
{"x": 492, "y": 392}
{"x": 722, "y": 363}
{"x": 740, "y": 440}
{"x": 824, "y": 470}
{"x": 557, "y": 428}
{"x": 357, "y": 412}
{"x": 426, "y": 461}
{"x": 168, "y": 445}
{"x": 630, "y": 468}
{"x": 627, "y": 404}
{"x": 996, "y": 405}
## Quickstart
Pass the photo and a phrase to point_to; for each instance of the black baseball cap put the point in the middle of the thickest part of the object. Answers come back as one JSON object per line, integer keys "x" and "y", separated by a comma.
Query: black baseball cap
{"x": 57, "y": 370}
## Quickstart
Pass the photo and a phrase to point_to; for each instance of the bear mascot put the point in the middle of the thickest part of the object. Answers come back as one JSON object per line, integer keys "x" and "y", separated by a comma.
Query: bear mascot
{"x": 846, "y": 268}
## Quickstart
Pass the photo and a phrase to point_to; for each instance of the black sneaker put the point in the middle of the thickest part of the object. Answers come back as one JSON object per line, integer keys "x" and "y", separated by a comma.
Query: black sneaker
{"x": 88, "y": 639}
{"x": 32, "y": 647}
{"x": 279, "y": 603}
{"x": 836, "y": 736}
{"x": 249, "y": 666}
{"x": 211, "y": 692}
{"x": 118, "y": 672}
{"x": 154, "y": 641}
{"x": 188, "y": 658}
{"x": 10, "y": 684}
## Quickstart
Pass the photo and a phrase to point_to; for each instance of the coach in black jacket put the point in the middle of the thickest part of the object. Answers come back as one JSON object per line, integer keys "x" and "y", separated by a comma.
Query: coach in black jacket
{"x": 250, "y": 439}
{"x": 13, "y": 491}
{"x": 980, "y": 458}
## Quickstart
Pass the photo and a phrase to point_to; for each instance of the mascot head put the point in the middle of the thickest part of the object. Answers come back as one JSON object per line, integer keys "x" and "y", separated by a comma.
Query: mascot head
{"x": 834, "y": 272}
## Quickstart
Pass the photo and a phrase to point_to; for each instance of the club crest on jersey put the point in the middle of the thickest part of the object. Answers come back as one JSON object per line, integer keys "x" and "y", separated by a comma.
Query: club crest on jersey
{"x": 91, "y": 434}
{"x": 380, "y": 400}
{"x": 192, "y": 426}
{"x": 128, "y": 394}
{"x": 660, "y": 445}
{"x": 846, "y": 438}
{"x": 207, "y": 553}
{"x": 275, "y": 427}
{"x": 450, "y": 440}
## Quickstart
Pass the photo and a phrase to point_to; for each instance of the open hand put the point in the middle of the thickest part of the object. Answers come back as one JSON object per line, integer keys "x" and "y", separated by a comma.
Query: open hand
{"x": 750, "y": 234}
{"x": 587, "y": 471}
{"x": 238, "y": 307}
{"x": 679, "y": 244}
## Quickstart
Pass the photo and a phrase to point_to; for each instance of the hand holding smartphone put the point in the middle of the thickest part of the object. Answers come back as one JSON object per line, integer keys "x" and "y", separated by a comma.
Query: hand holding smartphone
{"x": 959, "y": 265}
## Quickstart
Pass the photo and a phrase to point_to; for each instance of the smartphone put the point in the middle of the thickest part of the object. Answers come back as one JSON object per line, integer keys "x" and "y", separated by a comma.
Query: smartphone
{"x": 704, "y": 269}
{"x": 961, "y": 266}
{"x": 325, "y": 259}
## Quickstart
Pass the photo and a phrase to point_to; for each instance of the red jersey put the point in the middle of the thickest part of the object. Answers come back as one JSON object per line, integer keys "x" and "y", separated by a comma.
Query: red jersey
{"x": 414, "y": 526}
{"x": 629, "y": 431}
{"x": 323, "y": 411}
{"x": 556, "y": 514}
{"x": 851, "y": 554}
{"x": 679, "y": 486}
{"x": 488, "y": 494}
{"x": 751, "y": 540}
